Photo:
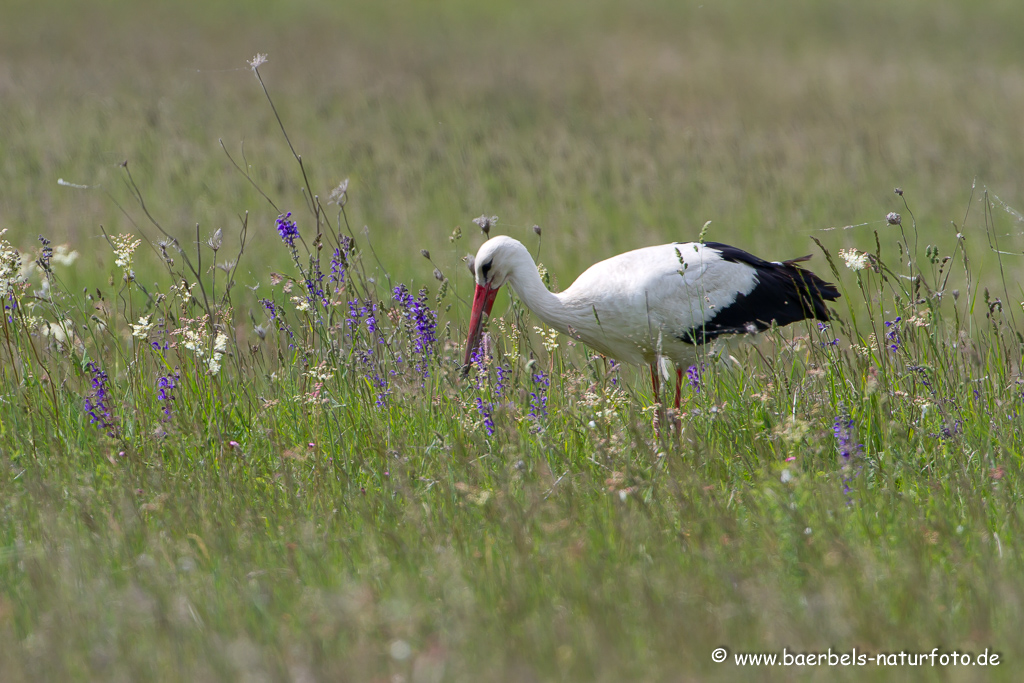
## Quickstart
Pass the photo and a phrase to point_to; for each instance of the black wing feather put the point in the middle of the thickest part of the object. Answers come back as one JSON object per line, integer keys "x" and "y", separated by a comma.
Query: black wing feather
{"x": 785, "y": 293}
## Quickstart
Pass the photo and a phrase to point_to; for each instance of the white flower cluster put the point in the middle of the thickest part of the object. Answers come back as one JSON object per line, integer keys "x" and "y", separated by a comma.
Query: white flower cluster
{"x": 854, "y": 259}
{"x": 195, "y": 338}
{"x": 548, "y": 337}
{"x": 142, "y": 328}
{"x": 124, "y": 247}
{"x": 10, "y": 267}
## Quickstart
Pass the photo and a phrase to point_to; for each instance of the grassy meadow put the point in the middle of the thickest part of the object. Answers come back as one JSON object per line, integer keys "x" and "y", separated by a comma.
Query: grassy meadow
{"x": 236, "y": 444}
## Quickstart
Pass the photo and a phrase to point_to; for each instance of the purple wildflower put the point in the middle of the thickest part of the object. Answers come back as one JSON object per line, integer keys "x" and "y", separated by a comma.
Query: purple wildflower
{"x": 162, "y": 332}
{"x": 367, "y": 356}
{"x": 842, "y": 427}
{"x": 165, "y": 393}
{"x": 922, "y": 373}
{"x": 486, "y": 411}
{"x": 11, "y": 305}
{"x": 377, "y": 381}
{"x": 368, "y": 310}
{"x": 271, "y": 308}
{"x": 315, "y": 284}
{"x": 421, "y": 323}
{"x": 339, "y": 262}
{"x": 539, "y": 399}
{"x": 951, "y": 430}
{"x": 287, "y": 229}
{"x": 382, "y": 391}
{"x": 97, "y": 403}
{"x": 44, "y": 259}
{"x": 479, "y": 360}
{"x": 353, "y": 317}
{"x": 893, "y": 335}
{"x": 484, "y": 384}
{"x": 278, "y": 320}
{"x": 822, "y": 327}
{"x": 501, "y": 373}
{"x": 693, "y": 377}
{"x": 613, "y": 370}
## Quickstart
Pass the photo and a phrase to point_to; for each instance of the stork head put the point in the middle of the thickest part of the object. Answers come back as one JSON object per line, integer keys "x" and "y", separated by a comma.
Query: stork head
{"x": 492, "y": 268}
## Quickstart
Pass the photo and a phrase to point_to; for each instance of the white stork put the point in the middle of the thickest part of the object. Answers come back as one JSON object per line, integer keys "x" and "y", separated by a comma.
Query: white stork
{"x": 658, "y": 301}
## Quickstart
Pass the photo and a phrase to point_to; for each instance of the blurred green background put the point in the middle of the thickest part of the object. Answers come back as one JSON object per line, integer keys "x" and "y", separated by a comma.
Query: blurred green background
{"x": 612, "y": 125}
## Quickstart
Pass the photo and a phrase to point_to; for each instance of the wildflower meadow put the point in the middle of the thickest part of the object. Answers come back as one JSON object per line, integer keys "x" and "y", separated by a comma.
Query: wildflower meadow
{"x": 247, "y": 448}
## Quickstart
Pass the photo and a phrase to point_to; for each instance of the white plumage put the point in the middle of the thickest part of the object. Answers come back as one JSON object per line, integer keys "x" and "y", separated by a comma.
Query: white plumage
{"x": 656, "y": 301}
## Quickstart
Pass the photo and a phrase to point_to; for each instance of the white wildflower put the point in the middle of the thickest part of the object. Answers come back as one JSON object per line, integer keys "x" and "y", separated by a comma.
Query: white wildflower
{"x": 855, "y": 260}
{"x": 10, "y": 267}
{"x": 184, "y": 291}
{"x": 142, "y": 328}
{"x": 220, "y": 344}
{"x": 549, "y": 338}
{"x": 320, "y": 373}
{"x": 919, "y": 320}
{"x": 213, "y": 364}
{"x": 259, "y": 60}
{"x": 193, "y": 337}
{"x": 301, "y": 303}
{"x": 124, "y": 247}
{"x": 192, "y": 341}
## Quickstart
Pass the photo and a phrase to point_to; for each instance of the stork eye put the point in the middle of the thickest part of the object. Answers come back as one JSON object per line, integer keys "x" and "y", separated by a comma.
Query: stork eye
{"x": 485, "y": 268}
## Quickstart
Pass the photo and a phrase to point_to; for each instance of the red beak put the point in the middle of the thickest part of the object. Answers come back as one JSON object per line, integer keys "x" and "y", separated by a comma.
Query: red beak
{"x": 483, "y": 301}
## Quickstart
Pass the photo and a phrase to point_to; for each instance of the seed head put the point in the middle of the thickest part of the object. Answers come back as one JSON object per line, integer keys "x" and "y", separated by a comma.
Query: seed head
{"x": 486, "y": 223}
{"x": 898, "y": 191}
{"x": 217, "y": 240}
{"x": 426, "y": 254}
{"x": 536, "y": 229}
{"x": 893, "y": 218}
{"x": 339, "y": 195}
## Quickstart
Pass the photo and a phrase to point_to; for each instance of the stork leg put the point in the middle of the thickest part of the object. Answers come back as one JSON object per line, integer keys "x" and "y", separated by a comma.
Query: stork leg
{"x": 656, "y": 384}
{"x": 679, "y": 386}
{"x": 677, "y": 417}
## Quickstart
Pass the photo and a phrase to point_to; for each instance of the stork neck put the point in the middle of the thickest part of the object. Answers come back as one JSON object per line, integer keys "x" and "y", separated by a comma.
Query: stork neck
{"x": 526, "y": 282}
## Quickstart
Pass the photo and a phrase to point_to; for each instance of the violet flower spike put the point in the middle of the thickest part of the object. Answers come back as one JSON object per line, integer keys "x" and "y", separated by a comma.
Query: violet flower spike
{"x": 287, "y": 229}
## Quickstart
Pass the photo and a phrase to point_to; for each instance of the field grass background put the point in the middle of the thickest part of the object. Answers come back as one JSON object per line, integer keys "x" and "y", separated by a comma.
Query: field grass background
{"x": 611, "y": 126}
{"x": 515, "y": 556}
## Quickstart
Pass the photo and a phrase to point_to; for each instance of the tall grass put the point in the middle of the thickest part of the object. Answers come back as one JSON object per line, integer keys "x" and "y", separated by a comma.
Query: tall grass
{"x": 312, "y": 491}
